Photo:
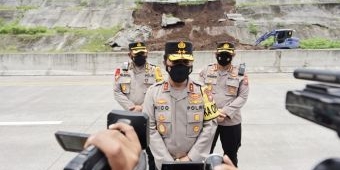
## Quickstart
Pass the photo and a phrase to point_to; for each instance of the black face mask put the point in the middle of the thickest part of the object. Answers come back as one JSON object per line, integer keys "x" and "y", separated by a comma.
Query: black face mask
{"x": 179, "y": 72}
{"x": 224, "y": 59}
{"x": 139, "y": 59}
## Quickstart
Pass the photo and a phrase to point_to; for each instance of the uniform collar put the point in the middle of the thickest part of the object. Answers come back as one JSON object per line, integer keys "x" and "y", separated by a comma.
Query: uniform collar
{"x": 136, "y": 69}
{"x": 190, "y": 86}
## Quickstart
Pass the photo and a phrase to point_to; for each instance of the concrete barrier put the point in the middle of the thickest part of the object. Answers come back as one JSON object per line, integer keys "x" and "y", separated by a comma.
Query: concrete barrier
{"x": 257, "y": 61}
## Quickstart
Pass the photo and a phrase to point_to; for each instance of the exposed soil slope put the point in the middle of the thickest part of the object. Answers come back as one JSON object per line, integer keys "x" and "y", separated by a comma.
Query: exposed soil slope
{"x": 197, "y": 18}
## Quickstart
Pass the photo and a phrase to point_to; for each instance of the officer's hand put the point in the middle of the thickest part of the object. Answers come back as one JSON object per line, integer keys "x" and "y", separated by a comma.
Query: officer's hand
{"x": 122, "y": 151}
{"x": 228, "y": 165}
{"x": 221, "y": 116}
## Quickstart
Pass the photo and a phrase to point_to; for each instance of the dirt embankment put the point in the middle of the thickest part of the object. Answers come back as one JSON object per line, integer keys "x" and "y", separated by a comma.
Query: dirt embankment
{"x": 196, "y": 18}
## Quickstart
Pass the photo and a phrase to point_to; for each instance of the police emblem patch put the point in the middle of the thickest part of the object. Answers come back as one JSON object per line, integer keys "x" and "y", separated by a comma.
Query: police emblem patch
{"x": 195, "y": 98}
{"x": 123, "y": 88}
{"x": 231, "y": 89}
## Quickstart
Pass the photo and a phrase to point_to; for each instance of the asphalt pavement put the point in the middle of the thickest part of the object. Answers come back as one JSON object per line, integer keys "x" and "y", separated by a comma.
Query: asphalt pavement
{"x": 33, "y": 108}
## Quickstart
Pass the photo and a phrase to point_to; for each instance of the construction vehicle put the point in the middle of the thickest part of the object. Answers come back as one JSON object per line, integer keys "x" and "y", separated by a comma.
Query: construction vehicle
{"x": 282, "y": 39}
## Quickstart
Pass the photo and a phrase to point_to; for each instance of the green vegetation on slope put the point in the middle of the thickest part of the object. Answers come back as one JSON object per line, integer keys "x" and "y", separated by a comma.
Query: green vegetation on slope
{"x": 319, "y": 43}
{"x": 93, "y": 39}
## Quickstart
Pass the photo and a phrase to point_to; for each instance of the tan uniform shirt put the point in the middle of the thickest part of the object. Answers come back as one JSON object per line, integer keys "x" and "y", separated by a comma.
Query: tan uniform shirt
{"x": 131, "y": 84}
{"x": 177, "y": 128}
{"x": 229, "y": 91}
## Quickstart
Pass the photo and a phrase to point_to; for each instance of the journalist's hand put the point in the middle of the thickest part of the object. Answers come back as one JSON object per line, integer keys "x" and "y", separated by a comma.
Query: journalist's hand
{"x": 122, "y": 151}
{"x": 136, "y": 108}
{"x": 185, "y": 159}
{"x": 228, "y": 165}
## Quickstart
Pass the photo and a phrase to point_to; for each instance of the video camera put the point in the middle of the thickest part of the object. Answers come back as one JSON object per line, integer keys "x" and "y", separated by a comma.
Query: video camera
{"x": 318, "y": 103}
{"x": 92, "y": 158}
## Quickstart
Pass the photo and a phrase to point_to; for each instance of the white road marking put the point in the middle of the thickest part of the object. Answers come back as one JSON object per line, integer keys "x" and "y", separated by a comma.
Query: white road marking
{"x": 30, "y": 123}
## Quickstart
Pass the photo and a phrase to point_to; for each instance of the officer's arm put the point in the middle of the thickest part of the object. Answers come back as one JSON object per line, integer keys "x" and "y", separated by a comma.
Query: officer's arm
{"x": 241, "y": 99}
{"x": 120, "y": 97}
{"x": 202, "y": 146}
{"x": 157, "y": 145}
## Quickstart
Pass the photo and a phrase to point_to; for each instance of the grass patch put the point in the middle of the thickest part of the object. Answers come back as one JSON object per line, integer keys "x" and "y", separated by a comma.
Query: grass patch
{"x": 94, "y": 39}
{"x": 253, "y": 29}
{"x": 97, "y": 38}
{"x": 312, "y": 43}
{"x": 5, "y": 7}
{"x": 319, "y": 43}
{"x": 26, "y": 8}
{"x": 15, "y": 29}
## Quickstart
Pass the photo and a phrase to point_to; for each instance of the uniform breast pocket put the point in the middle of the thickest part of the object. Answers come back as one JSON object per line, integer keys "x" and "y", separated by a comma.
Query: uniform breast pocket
{"x": 210, "y": 80}
{"x": 125, "y": 83}
{"x": 195, "y": 123}
{"x": 232, "y": 87}
{"x": 163, "y": 120}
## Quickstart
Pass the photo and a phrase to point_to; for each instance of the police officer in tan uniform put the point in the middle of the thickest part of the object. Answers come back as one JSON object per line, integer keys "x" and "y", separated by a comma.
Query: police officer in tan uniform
{"x": 133, "y": 78}
{"x": 230, "y": 89}
{"x": 132, "y": 81}
{"x": 182, "y": 113}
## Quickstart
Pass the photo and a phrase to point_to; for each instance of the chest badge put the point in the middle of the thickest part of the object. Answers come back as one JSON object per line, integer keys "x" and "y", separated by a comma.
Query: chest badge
{"x": 195, "y": 98}
{"x": 161, "y": 118}
{"x": 161, "y": 101}
{"x": 232, "y": 90}
{"x": 196, "y": 129}
{"x": 196, "y": 117}
{"x": 161, "y": 128}
{"x": 123, "y": 88}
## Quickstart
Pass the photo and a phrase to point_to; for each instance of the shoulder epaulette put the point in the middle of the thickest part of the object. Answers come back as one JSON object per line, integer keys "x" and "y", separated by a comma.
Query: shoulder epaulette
{"x": 152, "y": 65}
{"x": 197, "y": 83}
{"x": 117, "y": 74}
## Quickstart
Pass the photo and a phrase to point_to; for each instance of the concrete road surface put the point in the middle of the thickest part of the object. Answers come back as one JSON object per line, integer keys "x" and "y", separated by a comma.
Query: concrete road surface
{"x": 32, "y": 108}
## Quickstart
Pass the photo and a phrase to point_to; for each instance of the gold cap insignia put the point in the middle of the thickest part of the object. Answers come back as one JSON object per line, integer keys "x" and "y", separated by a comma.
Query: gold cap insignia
{"x": 226, "y": 46}
{"x": 139, "y": 44}
{"x": 181, "y": 44}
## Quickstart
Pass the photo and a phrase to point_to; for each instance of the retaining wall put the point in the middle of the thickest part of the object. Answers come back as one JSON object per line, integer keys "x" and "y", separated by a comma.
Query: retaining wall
{"x": 257, "y": 61}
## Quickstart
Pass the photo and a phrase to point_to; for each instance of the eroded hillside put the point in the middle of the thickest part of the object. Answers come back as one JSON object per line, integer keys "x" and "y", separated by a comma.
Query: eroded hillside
{"x": 89, "y": 25}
